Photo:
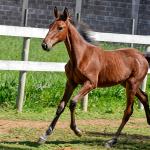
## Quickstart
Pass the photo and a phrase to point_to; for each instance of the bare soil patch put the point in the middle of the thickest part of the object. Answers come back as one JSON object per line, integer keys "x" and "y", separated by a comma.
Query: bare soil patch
{"x": 7, "y": 125}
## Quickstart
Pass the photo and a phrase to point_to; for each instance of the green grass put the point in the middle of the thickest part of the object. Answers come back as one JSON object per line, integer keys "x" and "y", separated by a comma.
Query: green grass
{"x": 135, "y": 135}
{"x": 43, "y": 93}
{"x": 48, "y": 113}
{"x": 11, "y": 49}
{"x": 46, "y": 89}
{"x": 94, "y": 137}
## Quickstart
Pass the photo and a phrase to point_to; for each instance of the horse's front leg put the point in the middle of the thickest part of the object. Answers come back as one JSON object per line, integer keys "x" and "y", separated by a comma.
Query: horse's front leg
{"x": 87, "y": 87}
{"x": 67, "y": 94}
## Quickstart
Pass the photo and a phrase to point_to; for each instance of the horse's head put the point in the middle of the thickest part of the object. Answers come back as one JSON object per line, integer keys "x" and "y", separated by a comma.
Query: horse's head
{"x": 57, "y": 30}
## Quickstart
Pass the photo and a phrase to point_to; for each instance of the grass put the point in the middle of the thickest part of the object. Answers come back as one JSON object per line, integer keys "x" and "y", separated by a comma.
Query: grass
{"x": 94, "y": 137}
{"x": 43, "y": 93}
{"x": 44, "y": 90}
{"x": 37, "y": 82}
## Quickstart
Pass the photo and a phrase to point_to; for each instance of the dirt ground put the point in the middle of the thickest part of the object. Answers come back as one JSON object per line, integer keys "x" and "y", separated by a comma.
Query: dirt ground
{"x": 7, "y": 125}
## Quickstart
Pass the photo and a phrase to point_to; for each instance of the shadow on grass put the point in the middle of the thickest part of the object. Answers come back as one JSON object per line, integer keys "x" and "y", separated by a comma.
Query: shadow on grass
{"x": 131, "y": 136}
{"x": 130, "y": 142}
{"x": 5, "y": 145}
{"x": 126, "y": 141}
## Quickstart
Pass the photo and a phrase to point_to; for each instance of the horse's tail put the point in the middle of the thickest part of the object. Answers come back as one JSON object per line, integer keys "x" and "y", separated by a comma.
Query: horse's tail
{"x": 147, "y": 56}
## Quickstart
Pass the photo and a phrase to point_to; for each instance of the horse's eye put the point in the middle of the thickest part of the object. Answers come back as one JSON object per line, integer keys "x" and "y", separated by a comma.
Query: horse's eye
{"x": 60, "y": 28}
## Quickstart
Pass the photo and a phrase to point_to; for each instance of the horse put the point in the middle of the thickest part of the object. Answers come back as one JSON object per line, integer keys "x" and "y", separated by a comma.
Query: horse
{"x": 92, "y": 67}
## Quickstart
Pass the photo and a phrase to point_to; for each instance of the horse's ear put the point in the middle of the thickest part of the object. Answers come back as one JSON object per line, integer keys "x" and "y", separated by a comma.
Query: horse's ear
{"x": 65, "y": 14}
{"x": 56, "y": 12}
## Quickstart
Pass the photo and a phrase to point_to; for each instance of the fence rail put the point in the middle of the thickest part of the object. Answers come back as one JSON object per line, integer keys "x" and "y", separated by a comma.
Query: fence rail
{"x": 120, "y": 38}
{"x": 23, "y": 31}
{"x": 32, "y": 66}
{"x": 59, "y": 67}
{"x": 98, "y": 36}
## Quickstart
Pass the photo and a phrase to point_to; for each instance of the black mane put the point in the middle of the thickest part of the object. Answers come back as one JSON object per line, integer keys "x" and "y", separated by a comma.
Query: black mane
{"x": 83, "y": 29}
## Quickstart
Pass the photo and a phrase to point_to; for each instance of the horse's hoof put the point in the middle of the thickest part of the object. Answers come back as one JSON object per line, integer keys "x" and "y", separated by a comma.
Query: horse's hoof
{"x": 42, "y": 140}
{"x": 78, "y": 132}
{"x": 110, "y": 143}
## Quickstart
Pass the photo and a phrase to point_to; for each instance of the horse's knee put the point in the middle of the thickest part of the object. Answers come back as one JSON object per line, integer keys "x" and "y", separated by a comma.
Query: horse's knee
{"x": 72, "y": 105}
{"x": 127, "y": 114}
{"x": 60, "y": 109}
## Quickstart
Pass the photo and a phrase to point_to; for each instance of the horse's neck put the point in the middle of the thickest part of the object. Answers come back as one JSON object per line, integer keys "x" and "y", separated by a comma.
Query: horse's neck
{"x": 75, "y": 44}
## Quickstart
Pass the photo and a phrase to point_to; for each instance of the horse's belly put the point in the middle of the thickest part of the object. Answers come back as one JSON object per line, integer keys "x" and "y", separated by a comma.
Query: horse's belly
{"x": 108, "y": 84}
{"x": 111, "y": 79}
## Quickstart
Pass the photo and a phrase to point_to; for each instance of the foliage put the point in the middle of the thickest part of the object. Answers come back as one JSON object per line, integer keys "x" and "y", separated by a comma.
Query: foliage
{"x": 43, "y": 93}
{"x": 44, "y": 90}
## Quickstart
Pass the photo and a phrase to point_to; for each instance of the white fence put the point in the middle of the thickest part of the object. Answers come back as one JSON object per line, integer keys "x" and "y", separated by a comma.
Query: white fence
{"x": 121, "y": 38}
{"x": 99, "y": 36}
{"x": 59, "y": 67}
{"x": 31, "y": 66}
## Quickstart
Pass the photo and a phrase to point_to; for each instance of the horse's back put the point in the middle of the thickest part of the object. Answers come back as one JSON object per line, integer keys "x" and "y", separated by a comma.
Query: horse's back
{"x": 135, "y": 55}
{"x": 121, "y": 64}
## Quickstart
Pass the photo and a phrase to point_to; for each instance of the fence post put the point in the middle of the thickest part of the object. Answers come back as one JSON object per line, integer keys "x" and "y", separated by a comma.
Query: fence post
{"x": 25, "y": 54}
{"x": 135, "y": 12}
{"x": 78, "y": 9}
{"x": 22, "y": 75}
{"x": 84, "y": 103}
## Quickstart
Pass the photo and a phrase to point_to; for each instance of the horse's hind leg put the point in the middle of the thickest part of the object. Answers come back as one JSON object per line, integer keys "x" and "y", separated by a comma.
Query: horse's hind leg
{"x": 131, "y": 88}
{"x": 67, "y": 94}
{"x": 142, "y": 96}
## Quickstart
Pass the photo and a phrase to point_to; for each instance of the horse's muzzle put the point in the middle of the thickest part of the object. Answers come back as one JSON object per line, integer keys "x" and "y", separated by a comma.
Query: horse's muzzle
{"x": 45, "y": 47}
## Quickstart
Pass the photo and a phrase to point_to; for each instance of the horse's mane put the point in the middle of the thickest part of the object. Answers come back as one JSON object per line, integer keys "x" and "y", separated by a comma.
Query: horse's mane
{"x": 84, "y": 29}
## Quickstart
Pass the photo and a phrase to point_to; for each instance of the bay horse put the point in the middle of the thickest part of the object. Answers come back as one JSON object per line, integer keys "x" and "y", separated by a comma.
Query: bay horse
{"x": 92, "y": 67}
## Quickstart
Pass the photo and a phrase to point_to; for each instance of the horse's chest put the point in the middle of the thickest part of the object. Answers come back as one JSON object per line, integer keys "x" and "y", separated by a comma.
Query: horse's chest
{"x": 78, "y": 77}
{"x": 75, "y": 75}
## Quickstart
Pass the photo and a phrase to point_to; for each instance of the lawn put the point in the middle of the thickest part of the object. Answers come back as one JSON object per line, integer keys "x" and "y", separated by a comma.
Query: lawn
{"x": 96, "y": 131}
{"x": 45, "y": 89}
{"x": 43, "y": 93}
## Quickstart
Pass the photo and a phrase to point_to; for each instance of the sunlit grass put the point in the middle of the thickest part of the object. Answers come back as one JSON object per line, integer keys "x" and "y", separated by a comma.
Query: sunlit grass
{"x": 44, "y": 90}
{"x": 43, "y": 93}
{"x": 94, "y": 137}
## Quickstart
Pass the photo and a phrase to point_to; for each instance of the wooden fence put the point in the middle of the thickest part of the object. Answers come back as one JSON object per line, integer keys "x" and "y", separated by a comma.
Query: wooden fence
{"x": 59, "y": 67}
{"x": 31, "y": 66}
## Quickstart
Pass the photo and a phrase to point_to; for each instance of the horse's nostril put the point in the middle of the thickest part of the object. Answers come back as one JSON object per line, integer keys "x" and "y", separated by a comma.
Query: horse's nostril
{"x": 44, "y": 46}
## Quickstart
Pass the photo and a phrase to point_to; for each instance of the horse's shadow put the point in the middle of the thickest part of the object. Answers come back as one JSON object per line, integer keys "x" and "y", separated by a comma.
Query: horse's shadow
{"x": 131, "y": 142}
{"x": 125, "y": 141}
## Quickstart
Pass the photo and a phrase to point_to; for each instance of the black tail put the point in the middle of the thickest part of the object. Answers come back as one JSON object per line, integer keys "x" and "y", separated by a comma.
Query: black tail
{"x": 147, "y": 56}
